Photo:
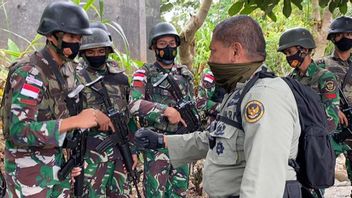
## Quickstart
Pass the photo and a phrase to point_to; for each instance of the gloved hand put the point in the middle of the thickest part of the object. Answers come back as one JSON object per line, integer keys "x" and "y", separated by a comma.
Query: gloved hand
{"x": 147, "y": 138}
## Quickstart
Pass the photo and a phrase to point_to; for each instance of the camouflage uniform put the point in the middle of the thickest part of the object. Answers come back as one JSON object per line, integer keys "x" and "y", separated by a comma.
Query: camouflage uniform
{"x": 209, "y": 97}
{"x": 149, "y": 103}
{"x": 33, "y": 108}
{"x": 104, "y": 172}
{"x": 339, "y": 67}
{"x": 325, "y": 84}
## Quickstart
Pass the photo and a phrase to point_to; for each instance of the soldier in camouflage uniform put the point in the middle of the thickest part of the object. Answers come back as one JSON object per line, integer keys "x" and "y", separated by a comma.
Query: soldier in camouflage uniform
{"x": 209, "y": 97}
{"x": 104, "y": 172}
{"x": 297, "y": 44}
{"x": 154, "y": 106}
{"x": 340, "y": 63}
{"x": 36, "y": 119}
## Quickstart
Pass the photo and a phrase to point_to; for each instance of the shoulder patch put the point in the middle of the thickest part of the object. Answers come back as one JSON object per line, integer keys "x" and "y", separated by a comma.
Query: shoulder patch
{"x": 254, "y": 111}
{"x": 330, "y": 86}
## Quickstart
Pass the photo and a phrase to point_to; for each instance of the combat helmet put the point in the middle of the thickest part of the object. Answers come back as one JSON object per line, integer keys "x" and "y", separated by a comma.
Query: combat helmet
{"x": 163, "y": 29}
{"x": 339, "y": 25}
{"x": 98, "y": 38}
{"x": 296, "y": 37}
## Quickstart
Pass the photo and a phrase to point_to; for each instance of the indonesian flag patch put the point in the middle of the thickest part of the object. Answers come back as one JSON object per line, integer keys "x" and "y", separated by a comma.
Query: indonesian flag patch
{"x": 30, "y": 91}
{"x": 139, "y": 76}
{"x": 209, "y": 78}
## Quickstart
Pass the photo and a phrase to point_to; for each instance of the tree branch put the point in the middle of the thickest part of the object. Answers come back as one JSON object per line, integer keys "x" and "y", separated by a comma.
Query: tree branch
{"x": 187, "y": 34}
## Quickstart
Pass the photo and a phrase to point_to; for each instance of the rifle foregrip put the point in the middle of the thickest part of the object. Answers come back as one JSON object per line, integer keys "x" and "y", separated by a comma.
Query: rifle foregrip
{"x": 66, "y": 169}
{"x": 78, "y": 186}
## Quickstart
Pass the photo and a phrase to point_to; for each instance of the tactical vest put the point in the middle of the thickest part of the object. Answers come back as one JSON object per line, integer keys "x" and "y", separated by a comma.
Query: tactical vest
{"x": 52, "y": 105}
{"x": 340, "y": 69}
{"x": 160, "y": 94}
{"x": 116, "y": 83}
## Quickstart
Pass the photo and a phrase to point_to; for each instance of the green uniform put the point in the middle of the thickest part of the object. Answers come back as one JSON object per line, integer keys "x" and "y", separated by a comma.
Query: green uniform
{"x": 104, "y": 172}
{"x": 250, "y": 163}
{"x": 340, "y": 68}
{"x": 148, "y": 103}
{"x": 33, "y": 108}
{"x": 325, "y": 84}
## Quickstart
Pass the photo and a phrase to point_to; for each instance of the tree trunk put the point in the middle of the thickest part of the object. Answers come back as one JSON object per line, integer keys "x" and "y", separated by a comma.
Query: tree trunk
{"x": 320, "y": 27}
{"x": 187, "y": 34}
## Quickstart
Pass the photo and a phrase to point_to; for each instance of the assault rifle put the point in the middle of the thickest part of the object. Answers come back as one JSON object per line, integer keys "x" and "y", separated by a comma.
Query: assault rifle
{"x": 76, "y": 143}
{"x": 347, "y": 110}
{"x": 185, "y": 107}
{"x": 118, "y": 138}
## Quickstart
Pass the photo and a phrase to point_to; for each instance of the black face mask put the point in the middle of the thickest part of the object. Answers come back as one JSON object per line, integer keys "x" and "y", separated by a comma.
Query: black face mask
{"x": 96, "y": 61}
{"x": 74, "y": 49}
{"x": 166, "y": 55}
{"x": 296, "y": 60}
{"x": 344, "y": 44}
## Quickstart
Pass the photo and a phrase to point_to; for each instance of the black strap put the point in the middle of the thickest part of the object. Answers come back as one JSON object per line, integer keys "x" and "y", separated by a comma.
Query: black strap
{"x": 54, "y": 68}
{"x": 347, "y": 76}
{"x": 228, "y": 121}
{"x": 261, "y": 74}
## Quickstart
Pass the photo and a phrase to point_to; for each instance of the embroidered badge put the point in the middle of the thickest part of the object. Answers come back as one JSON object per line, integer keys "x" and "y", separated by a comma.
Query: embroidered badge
{"x": 330, "y": 86}
{"x": 254, "y": 111}
{"x": 219, "y": 148}
{"x": 30, "y": 91}
{"x": 31, "y": 80}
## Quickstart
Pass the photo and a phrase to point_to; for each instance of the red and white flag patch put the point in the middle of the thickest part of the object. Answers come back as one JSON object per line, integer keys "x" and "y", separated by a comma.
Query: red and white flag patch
{"x": 209, "y": 78}
{"x": 30, "y": 91}
{"x": 139, "y": 76}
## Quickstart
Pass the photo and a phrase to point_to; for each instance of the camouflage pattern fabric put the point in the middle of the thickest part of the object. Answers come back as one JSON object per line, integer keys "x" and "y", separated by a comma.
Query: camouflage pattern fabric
{"x": 161, "y": 179}
{"x": 340, "y": 68}
{"x": 32, "y": 149}
{"x": 149, "y": 103}
{"x": 206, "y": 106}
{"x": 104, "y": 172}
{"x": 325, "y": 84}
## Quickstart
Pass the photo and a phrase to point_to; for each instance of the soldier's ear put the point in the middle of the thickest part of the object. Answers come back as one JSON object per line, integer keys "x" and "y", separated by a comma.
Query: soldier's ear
{"x": 237, "y": 51}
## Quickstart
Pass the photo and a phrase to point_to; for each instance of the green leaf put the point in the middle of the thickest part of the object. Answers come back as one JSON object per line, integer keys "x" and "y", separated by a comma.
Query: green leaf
{"x": 248, "y": 9}
{"x": 76, "y": 1}
{"x": 298, "y": 3}
{"x": 272, "y": 16}
{"x": 287, "y": 9}
{"x": 333, "y": 5}
{"x": 235, "y": 8}
{"x": 323, "y": 3}
{"x": 166, "y": 7}
{"x": 101, "y": 9}
{"x": 12, "y": 46}
{"x": 88, "y": 4}
{"x": 343, "y": 7}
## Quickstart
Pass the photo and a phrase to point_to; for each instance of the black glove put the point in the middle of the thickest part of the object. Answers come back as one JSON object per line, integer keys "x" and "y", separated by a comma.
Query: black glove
{"x": 147, "y": 138}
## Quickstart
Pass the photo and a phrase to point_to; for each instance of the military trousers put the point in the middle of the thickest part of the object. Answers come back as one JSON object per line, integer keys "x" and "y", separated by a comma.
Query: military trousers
{"x": 161, "y": 180}
{"x": 103, "y": 176}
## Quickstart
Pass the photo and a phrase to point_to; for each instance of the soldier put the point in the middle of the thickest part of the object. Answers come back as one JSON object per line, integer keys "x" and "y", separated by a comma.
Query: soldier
{"x": 298, "y": 44}
{"x": 36, "y": 119}
{"x": 154, "y": 106}
{"x": 340, "y": 63}
{"x": 104, "y": 172}
{"x": 251, "y": 162}
{"x": 209, "y": 97}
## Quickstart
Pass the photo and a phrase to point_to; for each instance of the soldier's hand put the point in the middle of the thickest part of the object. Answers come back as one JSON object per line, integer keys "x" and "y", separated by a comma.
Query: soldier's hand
{"x": 104, "y": 122}
{"x": 135, "y": 161}
{"x": 76, "y": 171}
{"x": 174, "y": 116}
{"x": 343, "y": 119}
{"x": 86, "y": 119}
{"x": 146, "y": 138}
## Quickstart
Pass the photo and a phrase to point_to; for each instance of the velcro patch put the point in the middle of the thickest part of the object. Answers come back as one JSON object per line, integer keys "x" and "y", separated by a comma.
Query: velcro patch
{"x": 137, "y": 84}
{"x": 330, "y": 86}
{"x": 31, "y": 80}
{"x": 209, "y": 78}
{"x": 30, "y": 91}
{"x": 330, "y": 95}
{"x": 139, "y": 76}
{"x": 30, "y": 102}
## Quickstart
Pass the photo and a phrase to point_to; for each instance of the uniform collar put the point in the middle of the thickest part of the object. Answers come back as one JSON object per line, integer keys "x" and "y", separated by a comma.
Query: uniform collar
{"x": 311, "y": 69}
{"x": 335, "y": 57}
